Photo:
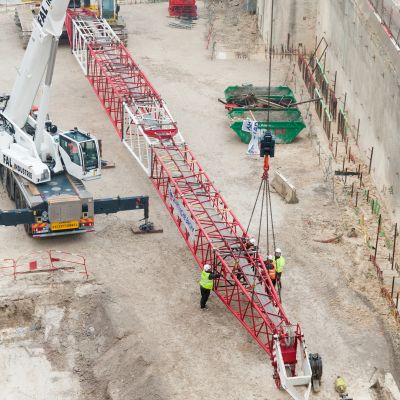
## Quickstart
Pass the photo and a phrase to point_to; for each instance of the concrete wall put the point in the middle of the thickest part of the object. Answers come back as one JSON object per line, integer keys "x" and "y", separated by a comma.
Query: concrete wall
{"x": 294, "y": 22}
{"x": 367, "y": 65}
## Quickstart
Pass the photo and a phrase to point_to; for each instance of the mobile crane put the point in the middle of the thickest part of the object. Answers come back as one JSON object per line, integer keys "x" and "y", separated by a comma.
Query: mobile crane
{"x": 107, "y": 9}
{"x": 41, "y": 166}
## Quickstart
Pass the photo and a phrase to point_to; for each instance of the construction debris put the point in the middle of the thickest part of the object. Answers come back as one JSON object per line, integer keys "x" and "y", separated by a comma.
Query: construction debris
{"x": 182, "y": 23}
{"x": 352, "y": 233}
{"x": 259, "y": 96}
{"x": 335, "y": 239}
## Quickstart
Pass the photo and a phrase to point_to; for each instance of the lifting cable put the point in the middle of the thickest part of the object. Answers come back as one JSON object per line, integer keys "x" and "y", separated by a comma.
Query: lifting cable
{"x": 267, "y": 149}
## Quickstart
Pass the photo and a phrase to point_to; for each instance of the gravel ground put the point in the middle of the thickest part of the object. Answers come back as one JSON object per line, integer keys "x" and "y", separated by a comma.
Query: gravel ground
{"x": 157, "y": 344}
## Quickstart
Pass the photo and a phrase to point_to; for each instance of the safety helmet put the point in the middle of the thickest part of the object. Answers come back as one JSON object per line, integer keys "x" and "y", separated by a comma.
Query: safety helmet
{"x": 278, "y": 250}
{"x": 270, "y": 258}
{"x": 252, "y": 241}
{"x": 207, "y": 267}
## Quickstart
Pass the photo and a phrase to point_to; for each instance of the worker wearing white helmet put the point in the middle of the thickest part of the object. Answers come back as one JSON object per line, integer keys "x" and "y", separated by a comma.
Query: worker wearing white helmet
{"x": 207, "y": 284}
{"x": 279, "y": 263}
{"x": 251, "y": 244}
{"x": 270, "y": 267}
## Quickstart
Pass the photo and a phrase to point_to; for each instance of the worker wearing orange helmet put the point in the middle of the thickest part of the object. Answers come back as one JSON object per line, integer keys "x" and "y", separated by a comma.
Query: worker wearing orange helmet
{"x": 207, "y": 284}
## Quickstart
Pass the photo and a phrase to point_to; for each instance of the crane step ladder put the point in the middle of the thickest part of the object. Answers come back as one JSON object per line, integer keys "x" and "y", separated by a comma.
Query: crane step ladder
{"x": 209, "y": 227}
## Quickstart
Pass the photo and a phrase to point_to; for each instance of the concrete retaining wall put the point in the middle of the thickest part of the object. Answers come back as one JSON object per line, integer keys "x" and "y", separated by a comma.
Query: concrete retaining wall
{"x": 367, "y": 65}
{"x": 294, "y": 22}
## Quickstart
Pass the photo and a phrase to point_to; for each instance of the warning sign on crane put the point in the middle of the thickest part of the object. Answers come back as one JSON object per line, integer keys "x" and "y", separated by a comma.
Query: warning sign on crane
{"x": 180, "y": 209}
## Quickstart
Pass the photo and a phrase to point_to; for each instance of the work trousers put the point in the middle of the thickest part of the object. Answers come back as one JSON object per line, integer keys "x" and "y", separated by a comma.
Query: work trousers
{"x": 278, "y": 277}
{"x": 205, "y": 294}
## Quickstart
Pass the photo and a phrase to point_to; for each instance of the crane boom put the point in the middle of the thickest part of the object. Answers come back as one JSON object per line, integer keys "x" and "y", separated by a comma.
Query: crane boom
{"x": 46, "y": 27}
{"x": 30, "y": 144}
{"x": 210, "y": 229}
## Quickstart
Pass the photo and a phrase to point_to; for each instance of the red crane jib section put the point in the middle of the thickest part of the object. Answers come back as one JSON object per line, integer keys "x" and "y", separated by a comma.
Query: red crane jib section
{"x": 210, "y": 229}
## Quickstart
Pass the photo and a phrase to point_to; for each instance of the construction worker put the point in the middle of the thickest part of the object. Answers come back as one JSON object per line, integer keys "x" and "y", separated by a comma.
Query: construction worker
{"x": 73, "y": 152}
{"x": 270, "y": 267}
{"x": 249, "y": 244}
{"x": 279, "y": 263}
{"x": 251, "y": 247}
{"x": 207, "y": 284}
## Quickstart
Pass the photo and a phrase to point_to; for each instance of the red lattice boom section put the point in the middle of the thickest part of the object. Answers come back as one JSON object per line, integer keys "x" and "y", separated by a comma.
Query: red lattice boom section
{"x": 244, "y": 286}
{"x": 212, "y": 232}
{"x": 118, "y": 81}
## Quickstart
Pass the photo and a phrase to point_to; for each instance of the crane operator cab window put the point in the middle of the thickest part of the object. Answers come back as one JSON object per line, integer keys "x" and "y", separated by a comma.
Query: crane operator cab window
{"x": 72, "y": 149}
{"x": 82, "y": 151}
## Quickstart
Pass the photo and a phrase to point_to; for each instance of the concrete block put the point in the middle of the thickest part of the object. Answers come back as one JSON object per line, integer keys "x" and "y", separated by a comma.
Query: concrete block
{"x": 284, "y": 188}
{"x": 385, "y": 386}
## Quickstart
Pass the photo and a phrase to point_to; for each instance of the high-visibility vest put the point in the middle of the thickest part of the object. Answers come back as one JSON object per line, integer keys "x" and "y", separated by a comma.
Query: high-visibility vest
{"x": 272, "y": 273}
{"x": 205, "y": 282}
{"x": 279, "y": 264}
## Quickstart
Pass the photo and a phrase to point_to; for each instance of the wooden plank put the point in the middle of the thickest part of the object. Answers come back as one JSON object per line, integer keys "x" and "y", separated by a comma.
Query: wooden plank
{"x": 33, "y": 189}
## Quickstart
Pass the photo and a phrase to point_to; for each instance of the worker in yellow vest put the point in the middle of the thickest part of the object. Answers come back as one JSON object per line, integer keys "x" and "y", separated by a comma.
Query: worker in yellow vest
{"x": 279, "y": 263}
{"x": 207, "y": 284}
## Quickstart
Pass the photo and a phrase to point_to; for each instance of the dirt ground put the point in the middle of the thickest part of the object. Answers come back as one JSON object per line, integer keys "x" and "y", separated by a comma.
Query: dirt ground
{"x": 149, "y": 339}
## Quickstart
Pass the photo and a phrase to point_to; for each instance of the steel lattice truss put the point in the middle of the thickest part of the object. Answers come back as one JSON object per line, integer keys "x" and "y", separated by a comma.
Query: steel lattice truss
{"x": 212, "y": 232}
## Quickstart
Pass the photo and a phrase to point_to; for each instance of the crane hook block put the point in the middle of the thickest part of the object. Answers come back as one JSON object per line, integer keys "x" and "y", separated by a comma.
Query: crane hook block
{"x": 267, "y": 145}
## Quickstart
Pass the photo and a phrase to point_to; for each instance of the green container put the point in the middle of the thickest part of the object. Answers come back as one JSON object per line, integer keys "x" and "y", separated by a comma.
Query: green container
{"x": 285, "y": 125}
{"x": 277, "y": 92}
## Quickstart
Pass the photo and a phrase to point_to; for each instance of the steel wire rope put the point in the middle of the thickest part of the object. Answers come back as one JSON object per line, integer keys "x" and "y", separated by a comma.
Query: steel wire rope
{"x": 258, "y": 242}
{"x": 266, "y": 213}
{"x": 264, "y": 181}
{"x": 254, "y": 207}
{"x": 270, "y": 211}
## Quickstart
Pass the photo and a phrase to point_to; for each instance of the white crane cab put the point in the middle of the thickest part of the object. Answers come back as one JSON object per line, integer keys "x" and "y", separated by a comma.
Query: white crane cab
{"x": 80, "y": 154}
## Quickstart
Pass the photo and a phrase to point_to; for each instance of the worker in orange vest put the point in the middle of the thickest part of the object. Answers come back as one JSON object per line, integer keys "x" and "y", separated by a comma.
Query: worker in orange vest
{"x": 270, "y": 267}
